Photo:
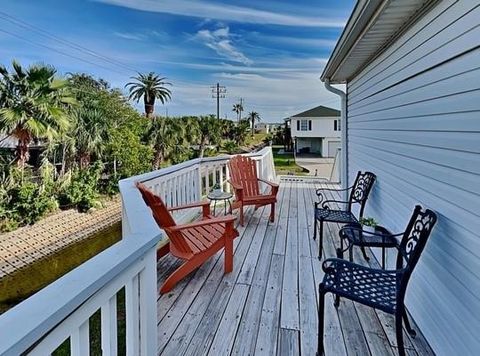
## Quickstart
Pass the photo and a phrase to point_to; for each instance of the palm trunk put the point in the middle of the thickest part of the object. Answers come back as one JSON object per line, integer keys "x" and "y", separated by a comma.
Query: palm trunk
{"x": 149, "y": 107}
{"x": 22, "y": 153}
{"x": 84, "y": 160}
{"x": 202, "y": 148}
{"x": 158, "y": 158}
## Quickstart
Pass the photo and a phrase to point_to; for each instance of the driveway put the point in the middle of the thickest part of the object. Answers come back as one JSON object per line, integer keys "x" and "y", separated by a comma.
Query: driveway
{"x": 321, "y": 166}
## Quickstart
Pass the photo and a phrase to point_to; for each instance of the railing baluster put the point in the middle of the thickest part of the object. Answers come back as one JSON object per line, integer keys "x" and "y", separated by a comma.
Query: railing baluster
{"x": 132, "y": 317}
{"x": 80, "y": 340}
{"x": 148, "y": 305}
{"x": 109, "y": 327}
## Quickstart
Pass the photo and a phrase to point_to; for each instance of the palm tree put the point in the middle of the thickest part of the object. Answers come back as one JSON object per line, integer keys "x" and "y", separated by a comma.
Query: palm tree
{"x": 209, "y": 132}
{"x": 254, "y": 117}
{"x": 238, "y": 108}
{"x": 164, "y": 134}
{"x": 151, "y": 87}
{"x": 33, "y": 105}
{"x": 241, "y": 131}
{"x": 89, "y": 134}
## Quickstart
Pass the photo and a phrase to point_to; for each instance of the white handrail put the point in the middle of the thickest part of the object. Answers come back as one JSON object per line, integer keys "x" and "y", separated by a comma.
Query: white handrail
{"x": 41, "y": 323}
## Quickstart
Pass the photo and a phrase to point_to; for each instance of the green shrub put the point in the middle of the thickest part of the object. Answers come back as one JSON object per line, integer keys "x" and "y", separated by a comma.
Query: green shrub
{"x": 230, "y": 146}
{"x": 82, "y": 191}
{"x": 28, "y": 203}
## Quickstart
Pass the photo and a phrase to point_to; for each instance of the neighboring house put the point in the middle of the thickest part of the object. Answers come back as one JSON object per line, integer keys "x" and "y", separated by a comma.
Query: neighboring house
{"x": 316, "y": 131}
{"x": 411, "y": 113}
{"x": 267, "y": 127}
{"x": 262, "y": 127}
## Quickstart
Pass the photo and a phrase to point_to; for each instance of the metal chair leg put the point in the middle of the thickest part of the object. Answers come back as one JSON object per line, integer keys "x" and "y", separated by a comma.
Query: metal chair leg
{"x": 321, "y": 315}
{"x": 364, "y": 253}
{"x": 315, "y": 226}
{"x": 399, "y": 333}
{"x": 320, "y": 241}
{"x": 410, "y": 331}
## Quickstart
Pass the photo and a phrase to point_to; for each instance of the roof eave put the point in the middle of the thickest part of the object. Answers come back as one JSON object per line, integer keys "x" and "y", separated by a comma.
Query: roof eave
{"x": 360, "y": 17}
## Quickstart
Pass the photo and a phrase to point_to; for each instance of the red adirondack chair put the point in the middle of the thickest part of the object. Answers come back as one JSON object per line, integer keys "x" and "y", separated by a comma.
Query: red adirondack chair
{"x": 193, "y": 242}
{"x": 245, "y": 182}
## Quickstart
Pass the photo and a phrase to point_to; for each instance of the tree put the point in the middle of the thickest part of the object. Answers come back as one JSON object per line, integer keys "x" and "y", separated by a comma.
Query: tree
{"x": 151, "y": 87}
{"x": 238, "y": 108}
{"x": 241, "y": 131}
{"x": 162, "y": 134}
{"x": 33, "y": 105}
{"x": 209, "y": 132}
{"x": 254, "y": 117}
{"x": 89, "y": 134}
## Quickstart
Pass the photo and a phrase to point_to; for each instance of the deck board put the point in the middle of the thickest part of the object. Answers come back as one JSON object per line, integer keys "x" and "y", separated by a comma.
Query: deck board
{"x": 268, "y": 304}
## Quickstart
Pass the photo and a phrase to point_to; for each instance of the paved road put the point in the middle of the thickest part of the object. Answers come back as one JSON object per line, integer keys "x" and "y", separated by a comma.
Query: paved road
{"x": 321, "y": 166}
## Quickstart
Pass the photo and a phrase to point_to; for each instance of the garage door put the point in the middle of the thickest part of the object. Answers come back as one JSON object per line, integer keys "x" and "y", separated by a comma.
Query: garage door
{"x": 333, "y": 146}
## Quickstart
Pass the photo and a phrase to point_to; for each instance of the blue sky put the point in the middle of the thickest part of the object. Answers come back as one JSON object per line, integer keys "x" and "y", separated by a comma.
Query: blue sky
{"x": 270, "y": 53}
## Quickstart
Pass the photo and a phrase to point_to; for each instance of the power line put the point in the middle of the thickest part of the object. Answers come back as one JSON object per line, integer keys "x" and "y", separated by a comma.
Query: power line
{"x": 68, "y": 43}
{"x": 58, "y": 51}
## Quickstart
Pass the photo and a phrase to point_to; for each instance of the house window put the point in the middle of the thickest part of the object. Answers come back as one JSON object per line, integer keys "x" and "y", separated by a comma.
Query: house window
{"x": 336, "y": 125}
{"x": 304, "y": 125}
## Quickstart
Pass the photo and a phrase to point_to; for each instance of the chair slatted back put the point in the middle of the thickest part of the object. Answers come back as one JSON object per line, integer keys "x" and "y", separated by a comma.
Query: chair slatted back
{"x": 415, "y": 237}
{"x": 243, "y": 171}
{"x": 413, "y": 242}
{"x": 361, "y": 189}
{"x": 163, "y": 218}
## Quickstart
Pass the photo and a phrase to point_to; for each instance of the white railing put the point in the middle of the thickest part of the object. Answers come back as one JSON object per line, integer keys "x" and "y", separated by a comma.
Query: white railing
{"x": 62, "y": 310}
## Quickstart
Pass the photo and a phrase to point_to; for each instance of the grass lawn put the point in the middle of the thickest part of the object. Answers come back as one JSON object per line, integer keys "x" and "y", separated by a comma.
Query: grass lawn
{"x": 285, "y": 163}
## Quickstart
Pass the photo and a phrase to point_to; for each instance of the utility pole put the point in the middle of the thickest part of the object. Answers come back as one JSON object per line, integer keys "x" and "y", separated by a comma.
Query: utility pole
{"x": 218, "y": 92}
{"x": 241, "y": 109}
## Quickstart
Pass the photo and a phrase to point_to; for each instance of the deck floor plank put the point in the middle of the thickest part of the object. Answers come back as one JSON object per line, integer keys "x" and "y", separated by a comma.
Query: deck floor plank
{"x": 268, "y": 304}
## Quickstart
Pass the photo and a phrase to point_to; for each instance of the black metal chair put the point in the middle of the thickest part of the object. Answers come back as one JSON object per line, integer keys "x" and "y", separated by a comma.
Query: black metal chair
{"x": 381, "y": 289}
{"x": 354, "y": 235}
{"x": 358, "y": 195}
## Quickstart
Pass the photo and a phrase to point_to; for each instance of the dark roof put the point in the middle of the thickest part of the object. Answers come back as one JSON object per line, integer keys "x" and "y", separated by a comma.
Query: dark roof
{"x": 319, "y": 111}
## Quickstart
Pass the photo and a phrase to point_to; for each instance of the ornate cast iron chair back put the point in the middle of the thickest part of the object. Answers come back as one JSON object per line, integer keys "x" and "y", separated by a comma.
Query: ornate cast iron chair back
{"x": 361, "y": 189}
{"x": 414, "y": 239}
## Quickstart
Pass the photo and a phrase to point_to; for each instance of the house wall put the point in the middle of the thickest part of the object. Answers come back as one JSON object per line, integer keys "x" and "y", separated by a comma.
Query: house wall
{"x": 330, "y": 145}
{"x": 321, "y": 127}
{"x": 414, "y": 120}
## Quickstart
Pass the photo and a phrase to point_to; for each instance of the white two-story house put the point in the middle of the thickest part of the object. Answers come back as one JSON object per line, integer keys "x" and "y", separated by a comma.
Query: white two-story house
{"x": 316, "y": 131}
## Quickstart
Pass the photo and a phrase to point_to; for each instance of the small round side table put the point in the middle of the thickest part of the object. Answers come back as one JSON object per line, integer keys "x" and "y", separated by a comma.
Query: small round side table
{"x": 218, "y": 196}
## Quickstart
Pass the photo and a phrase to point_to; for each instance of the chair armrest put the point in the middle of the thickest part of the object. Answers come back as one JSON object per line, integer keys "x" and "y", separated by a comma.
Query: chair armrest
{"x": 274, "y": 186}
{"x": 229, "y": 219}
{"x": 205, "y": 204}
{"x": 238, "y": 190}
{"x": 235, "y": 185}
{"x": 319, "y": 190}
{"x": 322, "y": 196}
{"x": 268, "y": 182}
{"x": 196, "y": 204}
{"x": 325, "y": 203}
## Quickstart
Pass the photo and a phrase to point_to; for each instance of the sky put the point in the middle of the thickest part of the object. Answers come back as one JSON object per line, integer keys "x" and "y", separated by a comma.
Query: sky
{"x": 270, "y": 53}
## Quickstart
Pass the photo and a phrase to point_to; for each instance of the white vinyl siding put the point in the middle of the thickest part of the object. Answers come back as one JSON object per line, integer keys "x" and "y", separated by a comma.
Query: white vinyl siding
{"x": 414, "y": 120}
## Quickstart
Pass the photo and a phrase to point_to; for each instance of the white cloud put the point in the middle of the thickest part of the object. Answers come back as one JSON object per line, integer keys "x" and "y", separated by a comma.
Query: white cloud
{"x": 224, "y": 12}
{"x": 220, "y": 41}
{"x": 130, "y": 36}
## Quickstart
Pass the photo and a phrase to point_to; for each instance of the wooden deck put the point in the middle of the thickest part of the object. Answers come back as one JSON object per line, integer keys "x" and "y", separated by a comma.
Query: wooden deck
{"x": 268, "y": 304}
